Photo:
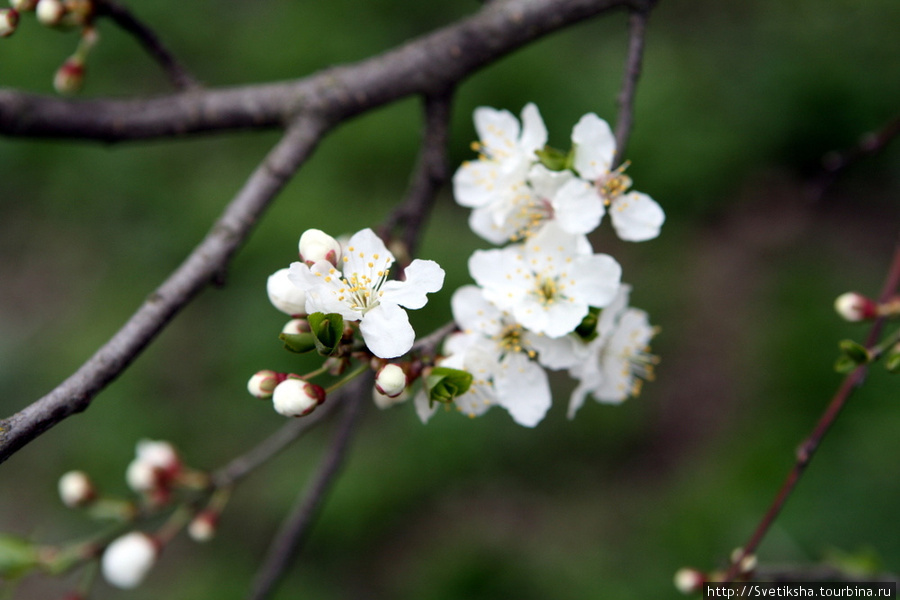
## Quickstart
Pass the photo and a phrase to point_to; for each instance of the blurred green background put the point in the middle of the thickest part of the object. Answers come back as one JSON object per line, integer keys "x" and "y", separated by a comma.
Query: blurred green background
{"x": 737, "y": 106}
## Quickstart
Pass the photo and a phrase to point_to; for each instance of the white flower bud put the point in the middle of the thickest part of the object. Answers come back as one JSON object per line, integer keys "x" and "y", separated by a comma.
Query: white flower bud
{"x": 295, "y": 326}
{"x": 284, "y": 295}
{"x": 296, "y": 397}
{"x": 76, "y": 489}
{"x": 855, "y": 307}
{"x": 390, "y": 380}
{"x": 203, "y": 527}
{"x": 23, "y": 5}
{"x": 263, "y": 383}
{"x": 9, "y": 20}
{"x": 154, "y": 465}
{"x": 316, "y": 245}
{"x": 128, "y": 559}
{"x": 50, "y": 12}
{"x": 385, "y": 402}
{"x": 70, "y": 76}
{"x": 688, "y": 581}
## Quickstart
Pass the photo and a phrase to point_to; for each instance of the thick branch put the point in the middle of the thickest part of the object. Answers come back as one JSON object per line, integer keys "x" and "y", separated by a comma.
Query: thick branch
{"x": 425, "y": 66}
{"x": 295, "y": 528}
{"x": 201, "y": 266}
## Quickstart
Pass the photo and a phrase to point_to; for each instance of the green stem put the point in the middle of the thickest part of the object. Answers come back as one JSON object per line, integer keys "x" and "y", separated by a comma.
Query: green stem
{"x": 359, "y": 370}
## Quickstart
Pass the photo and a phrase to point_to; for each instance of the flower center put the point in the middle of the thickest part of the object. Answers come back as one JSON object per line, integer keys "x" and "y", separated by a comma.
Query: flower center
{"x": 510, "y": 340}
{"x": 613, "y": 184}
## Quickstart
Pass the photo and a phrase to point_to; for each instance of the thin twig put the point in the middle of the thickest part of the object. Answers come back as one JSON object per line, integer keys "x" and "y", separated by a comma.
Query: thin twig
{"x": 202, "y": 266}
{"x": 816, "y": 573}
{"x": 809, "y": 446}
{"x": 637, "y": 31}
{"x": 294, "y": 530}
{"x": 124, "y": 18}
{"x": 431, "y": 173}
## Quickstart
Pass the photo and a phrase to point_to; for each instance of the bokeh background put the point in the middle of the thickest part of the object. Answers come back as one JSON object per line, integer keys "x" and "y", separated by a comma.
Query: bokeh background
{"x": 738, "y": 104}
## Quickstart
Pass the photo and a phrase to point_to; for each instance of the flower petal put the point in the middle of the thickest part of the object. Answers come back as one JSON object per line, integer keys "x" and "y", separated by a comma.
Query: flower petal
{"x": 534, "y": 132}
{"x": 522, "y": 389}
{"x": 595, "y": 146}
{"x": 498, "y": 131}
{"x": 386, "y": 331}
{"x": 577, "y": 207}
{"x": 422, "y": 277}
{"x": 636, "y": 217}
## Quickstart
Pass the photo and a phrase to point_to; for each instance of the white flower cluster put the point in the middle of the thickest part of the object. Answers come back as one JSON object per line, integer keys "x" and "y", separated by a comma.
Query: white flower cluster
{"x": 546, "y": 300}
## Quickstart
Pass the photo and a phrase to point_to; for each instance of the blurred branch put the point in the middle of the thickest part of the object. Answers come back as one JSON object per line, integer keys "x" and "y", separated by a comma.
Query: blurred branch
{"x": 124, "y": 18}
{"x": 205, "y": 263}
{"x": 816, "y": 573}
{"x": 294, "y": 530}
{"x": 807, "y": 449}
{"x": 427, "y": 65}
{"x": 431, "y": 173}
{"x": 637, "y": 31}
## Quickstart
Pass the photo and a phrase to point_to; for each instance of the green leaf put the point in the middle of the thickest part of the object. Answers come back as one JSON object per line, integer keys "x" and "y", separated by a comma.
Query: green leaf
{"x": 18, "y": 556}
{"x": 587, "y": 329}
{"x": 327, "y": 331}
{"x": 553, "y": 159}
{"x": 855, "y": 352}
{"x": 298, "y": 342}
{"x": 444, "y": 384}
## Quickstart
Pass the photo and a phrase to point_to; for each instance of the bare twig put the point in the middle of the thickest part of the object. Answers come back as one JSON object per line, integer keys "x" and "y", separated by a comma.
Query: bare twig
{"x": 637, "y": 31}
{"x": 809, "y": 446}
{"x": 203, "y": 264}
{"x": 430, "y": 174}
{"x": 124, "y": 18}
{"x": 428, "y": 65}
{"x": 295, "y": 528}
{"x": 788, "y": 574}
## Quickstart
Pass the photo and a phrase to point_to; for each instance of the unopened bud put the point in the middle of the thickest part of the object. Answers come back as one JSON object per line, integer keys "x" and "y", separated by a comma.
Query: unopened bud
{"x": 50, "y": 12}
{"x": 390, "y": 380}
{"x": 296, "y": 326}
{"x": 128, "y": 559}
{"x": 23, "y": 5}
{"x": 203, "y": 526}
{"x": 688, "y": 581}
{"x": 9, "y": 20}
{"x": 746, "y": 562}
{"x": 154, "y": 467}
{"x": 70, "y": 76}
{"x": 855, "y": 307}
{"x": 284, "y": 295}
{"x": 385, "y": 402}
{"x": 316, "y": 245}
{"x": 296, "y": 397}
{"x": 76, "y": 489}
{"x": 263, "y": 383}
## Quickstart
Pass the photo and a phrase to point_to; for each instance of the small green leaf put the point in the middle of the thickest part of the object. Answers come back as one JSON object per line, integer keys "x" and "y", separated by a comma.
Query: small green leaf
{"x": 844, "y": 364}
{"x": 587, "y": 329}
{"x": 855, "y": 352}
{"x": 298, "y": 342}
{"x": 553, "y": 159}
{"x": 327, "y": 331}
{"x": 444, "y": 384}
{"x": 892, "y": 361}
{"x": 18, "y": 556}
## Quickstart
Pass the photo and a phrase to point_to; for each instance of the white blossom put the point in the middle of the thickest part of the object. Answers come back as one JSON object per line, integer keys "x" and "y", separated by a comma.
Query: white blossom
{"x": 128, "y": 559}
{"x": 547, "y": 283}
{"x": 359, "y": 290}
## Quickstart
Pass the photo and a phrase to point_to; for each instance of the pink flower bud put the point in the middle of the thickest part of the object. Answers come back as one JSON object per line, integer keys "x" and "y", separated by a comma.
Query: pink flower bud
{"x": 284, "y": 295}
{"x": 297, "y": 398}
{"x": 128, "y": 559}
{"x": 70, "y": 76}
{"x": 855, "y": 307}
{"x": 263, "y": 383}
{"x": 9, "y": 20}
{"x": 316, "y": 245}
{"x": 76, "y": 489}
{"x": 390, "y": 380}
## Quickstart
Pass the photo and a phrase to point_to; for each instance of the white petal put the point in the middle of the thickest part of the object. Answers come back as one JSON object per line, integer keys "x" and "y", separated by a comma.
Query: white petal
{"x": 482, "y": 222}
{"x": 557, "y": 353}
{"x": 636, "y": 217}
{"x": 595, "y": 146}
{"x": 489, "y": 268}
{"x": 473, "y": 313}
{"x": 321, "y": 295}
{"x": 498, "y": 131}
{"x": 284, "y": 295}
{"x": 477, "y": 182}
{"x": 366, "y": 255}
{"x": 386, "y": 331}
{"x": 422, "y": 277}
{"x": 534, "y": 132}
{"x": 577, "y": 207}
{"x": 596, "y": 279}
{"x": 523, "y": 390}
{"x": 423, "y": 407}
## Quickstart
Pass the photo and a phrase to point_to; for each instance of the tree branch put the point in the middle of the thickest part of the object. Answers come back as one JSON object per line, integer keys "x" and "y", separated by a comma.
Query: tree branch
{"x": 425, "y": 66}
{"x": 295, "y": 528}
{"x": 124, "y": 18}
{"x": 203, "y": 264}
{"x": 637, "y": 30}
{"x": 807, "y": 449}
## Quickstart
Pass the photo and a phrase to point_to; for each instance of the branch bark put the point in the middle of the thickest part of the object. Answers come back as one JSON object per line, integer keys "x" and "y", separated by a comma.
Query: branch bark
{"x": 425, "y": 66}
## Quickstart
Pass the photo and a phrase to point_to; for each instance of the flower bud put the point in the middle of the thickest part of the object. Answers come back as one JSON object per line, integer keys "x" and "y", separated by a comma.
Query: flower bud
{"x": 385, "y": 402}
{"x": 9, "y": 20}
{"x": 296, "y": 327}
{"x": 23, "y": 5}
{"x": 316, "y": 245}
{"x": 128, "y": 559}
{"x": 203, "y": 526}
{"x": 70, "y": 76}
{"x": 154, "y": 467}
{"x": 284, "y": 295}
{"x": 76, "y": 489}
{"x": 296, "y": 397}
{"x": 688, "y": 581}
{"x": 855, "y": 307}
{"x": 50, "y": 12}
{"x": 390, "y": 380}
{"x": 263, "y": 383}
